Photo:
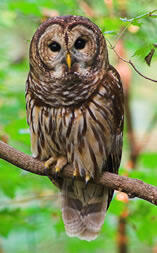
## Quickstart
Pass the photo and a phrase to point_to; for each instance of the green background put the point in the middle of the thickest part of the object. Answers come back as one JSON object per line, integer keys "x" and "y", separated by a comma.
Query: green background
{"x": 30, "y": 216}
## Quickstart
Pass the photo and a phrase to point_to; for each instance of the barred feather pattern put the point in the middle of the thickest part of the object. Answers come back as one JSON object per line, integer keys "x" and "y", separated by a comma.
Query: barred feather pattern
{"x": 90, "y": 137}
{"x": 76, "y": 114}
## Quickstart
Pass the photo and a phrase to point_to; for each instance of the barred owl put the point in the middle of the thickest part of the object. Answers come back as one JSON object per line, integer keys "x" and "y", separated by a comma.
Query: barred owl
{"x": 75, "y": 113}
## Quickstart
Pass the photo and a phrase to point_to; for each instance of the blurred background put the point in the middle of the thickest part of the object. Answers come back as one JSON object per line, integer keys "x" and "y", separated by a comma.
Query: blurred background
{"x": 30, "y": 215}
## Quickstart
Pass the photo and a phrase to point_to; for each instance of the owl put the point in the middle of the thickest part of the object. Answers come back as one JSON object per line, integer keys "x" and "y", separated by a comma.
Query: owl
{"x": 74, "y": 103}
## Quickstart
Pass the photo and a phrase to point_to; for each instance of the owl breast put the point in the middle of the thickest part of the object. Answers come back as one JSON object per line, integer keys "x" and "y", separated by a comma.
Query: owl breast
{"x": 84, "y": 134}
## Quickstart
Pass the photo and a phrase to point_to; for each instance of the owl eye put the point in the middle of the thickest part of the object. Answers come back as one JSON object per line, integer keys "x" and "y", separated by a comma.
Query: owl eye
{"x": 80, "y": 43}
{"x": 54, "y": 46}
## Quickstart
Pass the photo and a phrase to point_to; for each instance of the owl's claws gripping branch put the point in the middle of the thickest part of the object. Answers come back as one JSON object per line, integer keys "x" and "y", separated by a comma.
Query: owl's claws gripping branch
{"x": 75, "y": 174}
{"x": 49, "y": 162}
{"x": 60, "y": 162}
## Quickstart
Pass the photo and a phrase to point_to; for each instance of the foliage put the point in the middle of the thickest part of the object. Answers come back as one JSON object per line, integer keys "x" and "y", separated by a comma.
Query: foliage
{"x": 30, "y": 216}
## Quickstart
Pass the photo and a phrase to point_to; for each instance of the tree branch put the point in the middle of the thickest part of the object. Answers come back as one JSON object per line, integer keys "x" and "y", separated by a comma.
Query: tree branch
{"x": 133, "y": 187}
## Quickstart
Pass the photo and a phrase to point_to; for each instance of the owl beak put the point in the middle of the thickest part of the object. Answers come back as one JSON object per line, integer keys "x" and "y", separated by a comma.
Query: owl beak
{"x": 68, "y": 60}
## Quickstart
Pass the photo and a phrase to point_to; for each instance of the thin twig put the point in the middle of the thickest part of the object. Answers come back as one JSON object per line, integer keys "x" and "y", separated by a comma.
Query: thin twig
{"x": 134, "y": 187}
{"x": 146, "y": 77}
{"x": 131, "y": 63}
{"x": 120, "y": 35}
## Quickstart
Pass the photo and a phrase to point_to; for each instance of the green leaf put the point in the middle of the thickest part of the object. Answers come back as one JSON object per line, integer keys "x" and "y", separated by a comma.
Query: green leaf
{"x": 8, "y": 220}
{"x": 25, "y": 7}
{"x": 143, "y": 50}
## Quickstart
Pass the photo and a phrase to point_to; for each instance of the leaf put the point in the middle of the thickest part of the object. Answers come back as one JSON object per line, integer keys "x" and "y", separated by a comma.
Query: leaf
{"x": 116, "y": 207}
{"x": 25, "y": 7}
{"x": 143, "y": 216}
{"x": 143, "y": 51}
{"x": 148, "y": 57}
{"x": 7, "y": 220}
{"x": 9, "y": 178}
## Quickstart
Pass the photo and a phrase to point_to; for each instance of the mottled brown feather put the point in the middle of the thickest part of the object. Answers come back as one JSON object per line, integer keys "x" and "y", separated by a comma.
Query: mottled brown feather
{"x": 76, "y": 114}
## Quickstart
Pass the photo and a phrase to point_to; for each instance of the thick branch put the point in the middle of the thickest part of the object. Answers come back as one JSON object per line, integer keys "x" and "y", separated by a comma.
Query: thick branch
{"x": 133, "y": 187}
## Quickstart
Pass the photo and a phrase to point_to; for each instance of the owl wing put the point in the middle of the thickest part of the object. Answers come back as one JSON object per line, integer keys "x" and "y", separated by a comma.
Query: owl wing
{"x": 113, "y": 161}
{"x": 84, "y": 206}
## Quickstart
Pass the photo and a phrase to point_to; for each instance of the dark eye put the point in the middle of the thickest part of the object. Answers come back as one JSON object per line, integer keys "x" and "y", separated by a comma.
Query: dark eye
{"x": 80, "y": 43}
{"x": 54, "y": 46}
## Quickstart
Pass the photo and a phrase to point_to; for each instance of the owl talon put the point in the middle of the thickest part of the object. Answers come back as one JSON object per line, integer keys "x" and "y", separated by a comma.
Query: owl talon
{"x": 49, "y": 162}
{"x": 87, "y": 178}
{"x": 61, "y": 162}
{"x": 75, "y": 174}
{"x": 57, "y": 170}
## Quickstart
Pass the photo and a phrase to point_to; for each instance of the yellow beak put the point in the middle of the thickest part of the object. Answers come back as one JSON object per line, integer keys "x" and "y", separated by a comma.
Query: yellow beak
{"x": 68, "y": 60}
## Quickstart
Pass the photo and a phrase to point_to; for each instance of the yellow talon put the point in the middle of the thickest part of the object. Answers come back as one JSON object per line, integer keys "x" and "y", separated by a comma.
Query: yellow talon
{"x": 57, "y": 169}
{"x": 75, "y": 173}
{"x": 46, "y": 164}
{"x": 87, "y": 178}
{"x": 49, "y": 162}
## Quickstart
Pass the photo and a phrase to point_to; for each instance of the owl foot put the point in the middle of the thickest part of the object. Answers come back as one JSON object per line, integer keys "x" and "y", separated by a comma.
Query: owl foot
{"x": 50, "y": 162}
{"x": 75, "y": 174}
{"x": 60, "y": 162}
{"x": 87, "y": 178}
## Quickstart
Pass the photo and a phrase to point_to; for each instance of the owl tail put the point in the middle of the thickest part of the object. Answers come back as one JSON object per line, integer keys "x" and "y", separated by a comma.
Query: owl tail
{"x": 83, "y": 208}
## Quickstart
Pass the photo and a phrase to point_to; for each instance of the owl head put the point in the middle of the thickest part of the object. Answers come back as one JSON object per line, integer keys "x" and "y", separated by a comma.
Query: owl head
{"x": 67, "y": 52}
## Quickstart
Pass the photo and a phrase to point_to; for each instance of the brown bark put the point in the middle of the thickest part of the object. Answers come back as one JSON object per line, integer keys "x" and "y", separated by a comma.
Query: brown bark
{"x": 133, "y": 187}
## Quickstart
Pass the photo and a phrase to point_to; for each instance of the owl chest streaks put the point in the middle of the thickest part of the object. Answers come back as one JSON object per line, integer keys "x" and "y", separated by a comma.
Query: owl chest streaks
{"x": 75, "y": 112}
{"x": 83, "y": 134}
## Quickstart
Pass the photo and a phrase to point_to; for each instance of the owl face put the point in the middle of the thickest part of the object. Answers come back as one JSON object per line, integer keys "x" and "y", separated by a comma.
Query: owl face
{"x": 68, "y": 46}
{"x": 68, "y": 58}
{"x": 79, "y": 44}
